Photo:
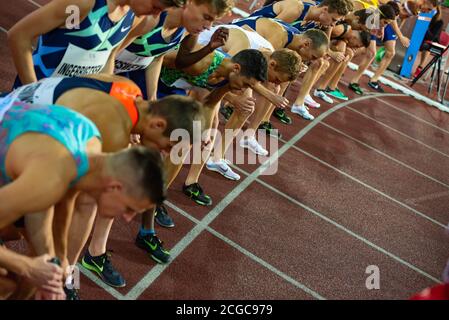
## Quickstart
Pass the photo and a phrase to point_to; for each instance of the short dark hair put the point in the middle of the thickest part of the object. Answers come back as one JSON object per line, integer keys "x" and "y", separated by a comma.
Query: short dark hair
{"x": 342, "y": 7}
{"x": 365, "y": 36}
{"x": 253, "y": 64}
{"x": 393, "y": 5}
{"x": 180, "y": 112}
{"x": 173, "y": 3}
{"x": 318, "y": 37}
{"x": 362, "y": 14}
{"x": 148, "y": 165}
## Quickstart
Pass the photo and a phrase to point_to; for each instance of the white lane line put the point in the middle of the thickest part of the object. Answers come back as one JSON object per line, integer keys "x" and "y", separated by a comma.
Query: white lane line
{"x": 35, "y": 3}
{"x": 249, "y": 254}
{"x": 240, "y": 12}
{"x": 113, "y": 292}
{"x": 351, "y": 233}
{"x": 412, "y": 115}
{"x": 370, "y": 187}
{"x": 156, "y": 271}
{"x": 427, "y": 197}
{"x": 339, "y": 226}
{"x": 403, "y": 89}
{"x": 399, "y": 132}
{"x": 386, "y": 155}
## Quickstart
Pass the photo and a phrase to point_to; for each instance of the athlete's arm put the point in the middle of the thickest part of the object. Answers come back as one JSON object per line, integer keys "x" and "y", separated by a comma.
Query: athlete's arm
{"x": 152, "y": 73}
{"x": 45, "y": 19}
{"x": 36, "y": 189}
{"x": 110, "y": 64}
{"x": 404, "y": 40}
{"x": 277, "y": 100}
{"x": 186, "y": 58}
{"x": 289, "y": 10}
{"x": 38, "y": 271}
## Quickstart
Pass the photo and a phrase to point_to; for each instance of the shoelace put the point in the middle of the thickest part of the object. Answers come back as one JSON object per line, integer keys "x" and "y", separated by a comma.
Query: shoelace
{"x": 197, "y": 187}
{"x": 107, "y": 261}
{"x": 161, "y": 209}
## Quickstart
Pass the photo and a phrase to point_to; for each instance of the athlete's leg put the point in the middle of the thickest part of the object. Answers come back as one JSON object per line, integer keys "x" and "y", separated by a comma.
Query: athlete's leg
{"x": 82, "y": 221}
{"x": 389, "y": 55}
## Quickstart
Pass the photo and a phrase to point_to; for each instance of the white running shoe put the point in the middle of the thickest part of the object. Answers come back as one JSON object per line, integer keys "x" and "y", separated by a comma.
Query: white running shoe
{"x": 322, "y": 95}
{"x": 311, "y": 103}
{"x": 302, "y": 111}
{"x": 222, "y": 168}
{"x": 252, "y": 144}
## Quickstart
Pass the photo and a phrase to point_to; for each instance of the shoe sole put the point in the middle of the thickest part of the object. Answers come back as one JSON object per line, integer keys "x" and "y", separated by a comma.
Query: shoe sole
{"x": 256, "y": 153}
{"x": 201, "y": 203}
{"x": 302, "y": 116}
{"x": 100, "y": 275}
{"x": 339, "y": 98}
{"x": 283, "y": 120}
{"x": 144, "y": 248}
{"x": 164, "y": 225}
{"x": 227, "y": 177}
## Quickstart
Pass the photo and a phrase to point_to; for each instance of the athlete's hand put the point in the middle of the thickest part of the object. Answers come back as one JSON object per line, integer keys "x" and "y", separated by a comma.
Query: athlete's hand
{"x": 337, "y": 56}
{"x": 135, "y": 139}
{"x": 3, "y": 272}
{"x": 303, "y": 68}
{"x": 405, "y": 41}
{"x": 245, "y": 104}
{"x": 218, "y": 39}
{"x": 44, "y": 274}
{"x": 45, "y": 295}
{"x": 279, "y": 101}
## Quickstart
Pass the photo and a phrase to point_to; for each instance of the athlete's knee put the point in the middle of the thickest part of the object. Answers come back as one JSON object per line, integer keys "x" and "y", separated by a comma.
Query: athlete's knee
{"x": 8, "y": 287}
{"x": 85, "y": 204}
{"x": 324, "y": 65}
{"x": 389, "y": 53}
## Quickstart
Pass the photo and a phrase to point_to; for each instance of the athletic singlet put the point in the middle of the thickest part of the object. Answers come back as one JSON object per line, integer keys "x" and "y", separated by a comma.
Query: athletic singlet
{"x": 68, "y": 127}
{"x": 252, "y": 21}
{"x": 180, "y": 79}
{"x": 346, "y": 28}
{"x": 301, "y": 25}
{"x": 74, "y": 52}
{"x": 140, "y": 53}
{"x": 256, "y": 41}
{"x": 267, "y": 12}
{"x": 48, "y": 91}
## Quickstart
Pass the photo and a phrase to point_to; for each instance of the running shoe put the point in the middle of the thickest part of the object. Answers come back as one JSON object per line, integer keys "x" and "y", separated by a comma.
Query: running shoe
{"x": 336, "y": 93}
{"x": 226, "y": 111}
{"x": 102, "y": 266}
{"x": 153, "y": 246}
{"x": 71, "y": 294}
{"x": 376, "y": 86}
{"x": 311, "y": 103}
{"x": 162, "y": 218}
{"x": 323, "y": 96}
{"x": 280, "y": 114}
{"x": 196, "y": 193}
{"x": 356, "y": 88}
{"x": 223, "y": 168}
{"x": 270, "y": 130}
{"x": 302, "y": 111}
{"x": 252, "y": 144}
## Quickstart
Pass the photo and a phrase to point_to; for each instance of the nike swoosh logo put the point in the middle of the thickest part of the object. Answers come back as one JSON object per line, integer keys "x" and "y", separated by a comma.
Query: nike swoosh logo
{"x": 125, "y": 29}
{"x": 196, "y": 193}
{"x": 101, "y": 269}
{"x": 151, "y": 246}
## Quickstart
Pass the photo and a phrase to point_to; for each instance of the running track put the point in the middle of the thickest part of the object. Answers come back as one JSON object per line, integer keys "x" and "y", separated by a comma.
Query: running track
{"x": 366, "y": 183}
